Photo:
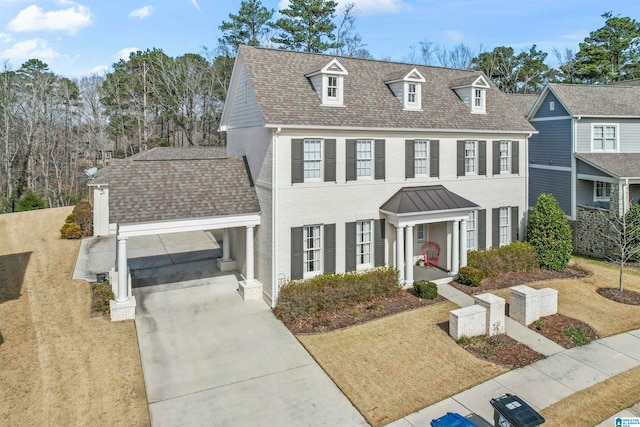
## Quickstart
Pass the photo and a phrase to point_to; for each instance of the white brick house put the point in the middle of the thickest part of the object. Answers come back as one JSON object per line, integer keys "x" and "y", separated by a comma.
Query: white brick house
{"x": 357, "y": 163}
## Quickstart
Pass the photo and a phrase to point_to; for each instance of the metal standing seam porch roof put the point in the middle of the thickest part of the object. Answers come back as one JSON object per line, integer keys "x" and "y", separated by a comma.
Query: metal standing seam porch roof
{"x": 425, "y": 199}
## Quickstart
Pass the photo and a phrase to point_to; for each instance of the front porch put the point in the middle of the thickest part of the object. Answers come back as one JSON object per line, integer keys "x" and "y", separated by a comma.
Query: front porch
{"x": 431, "y": 274}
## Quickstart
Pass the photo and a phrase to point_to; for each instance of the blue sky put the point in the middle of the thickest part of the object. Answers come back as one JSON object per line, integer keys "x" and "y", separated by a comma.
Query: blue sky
{"x": 81, "y": 37}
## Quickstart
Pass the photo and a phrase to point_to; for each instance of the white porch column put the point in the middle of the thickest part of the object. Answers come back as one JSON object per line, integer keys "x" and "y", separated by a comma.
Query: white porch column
{"x": 123, "y": 272}
{"x": 226, "y": 245}
{"x": 455, "y": 247}
{"x": 463, "y": 243}
{"x": 400, "y": 253}
{"x": 249, "y": 258}
{"x": 408, "y": 255}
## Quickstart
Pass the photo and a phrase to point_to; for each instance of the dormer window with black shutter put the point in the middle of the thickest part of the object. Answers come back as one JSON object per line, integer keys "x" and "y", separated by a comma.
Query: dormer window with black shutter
{"x": 328, "y": 82}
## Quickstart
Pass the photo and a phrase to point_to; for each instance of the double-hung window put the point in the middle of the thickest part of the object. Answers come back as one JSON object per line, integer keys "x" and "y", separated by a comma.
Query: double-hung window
{"x": 412, "y": 93}
{"x": 471, "y": 231}
{"x": 601, "y": 191}
{"x": 312, "y": 250}
{"x": 605, "y": 137}
{"x": 332, "y": 87}
{"x": 421, "y": 157}
{"x": 504, "y": 157}
{"x": 505, "y": 237}
{"x": 312, "y": 159}
{"x": 421, "y": 233}
{"x": 470, "y": 157}
{"x": 364, "y": 244}
{"x": 364, "y": 158}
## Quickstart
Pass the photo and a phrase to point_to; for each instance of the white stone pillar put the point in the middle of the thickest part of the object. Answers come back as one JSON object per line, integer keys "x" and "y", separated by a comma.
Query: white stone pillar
{"x": 226, "y": 245}
{"x": 249, "y": 258}
{"x": 455, "y": 247}
{"x": 123, "y": 276}
{"x": 408, "y": 255}
{"x": 463, "y": 243}
{"x": 400, "y": 253}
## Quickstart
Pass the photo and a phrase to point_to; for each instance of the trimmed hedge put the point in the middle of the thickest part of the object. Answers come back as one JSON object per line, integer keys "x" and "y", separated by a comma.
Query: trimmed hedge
{"x": 70, "y": 230}
{"x": 516, "y": 256}
{"x": 425, "y": 290}
{"x": 328, "y": 292}
{"x": 470, "y": 276}
{"x": 84, "y": 217}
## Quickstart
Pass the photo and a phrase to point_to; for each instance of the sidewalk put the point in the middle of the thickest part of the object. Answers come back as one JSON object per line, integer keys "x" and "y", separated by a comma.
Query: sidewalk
{"x": 542, "y": 383}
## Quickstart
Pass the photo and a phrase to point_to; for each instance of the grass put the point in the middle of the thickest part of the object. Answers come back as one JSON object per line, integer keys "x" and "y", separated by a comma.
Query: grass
{"x": 578, "y": 298}
{"x": 394, "y": 366}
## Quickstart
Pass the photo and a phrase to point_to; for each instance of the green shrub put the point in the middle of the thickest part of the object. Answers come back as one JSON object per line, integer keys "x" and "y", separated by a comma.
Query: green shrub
{"x": 30, "y": 202}
{"x": 70, "y": 218}
{"x": 84, "y": 217}
{"x": 549, "y": 233}
{"x": 470, "y": 276}
{"x": 425, "y": 290}
{"x": 328, "y": 292}
{"x": 516, "y": 256}
{"x": 70, "y": 231}
{"x": 102, "y": 294}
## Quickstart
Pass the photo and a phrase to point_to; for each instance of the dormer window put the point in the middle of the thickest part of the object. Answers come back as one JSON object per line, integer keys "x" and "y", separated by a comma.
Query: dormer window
{"x": 407, "y": 87}
{"x": 478, "y": 99}
{"x": 472, "y": 90}
{"x": 328, "y": 82}
{"x": 412, "y": 90}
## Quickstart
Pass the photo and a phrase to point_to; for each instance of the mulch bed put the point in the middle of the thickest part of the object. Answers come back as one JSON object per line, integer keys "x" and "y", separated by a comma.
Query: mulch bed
{"x": 625, "y": 296}
{"x": 361, "y": 313}
{"x": 513, "y": 279}
{"x": 557, "y": 328}
{"x": 501, "y": 349}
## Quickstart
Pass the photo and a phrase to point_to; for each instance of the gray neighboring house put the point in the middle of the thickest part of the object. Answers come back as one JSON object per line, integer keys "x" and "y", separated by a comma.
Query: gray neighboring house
{"x": 587, "y": 154}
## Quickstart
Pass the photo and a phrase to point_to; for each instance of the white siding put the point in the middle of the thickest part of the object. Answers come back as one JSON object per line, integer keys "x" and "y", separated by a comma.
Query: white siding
{"x": 245, "y": 110}
{"x": 255, "y": 143}
{"x": 465, "y": 95}
{"x": 629, "y": 134}
{"x": 398, "y": 90}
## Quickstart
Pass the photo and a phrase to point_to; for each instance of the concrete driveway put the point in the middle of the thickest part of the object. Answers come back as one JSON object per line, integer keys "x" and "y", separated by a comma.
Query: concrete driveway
{"x": 210, "y": 358}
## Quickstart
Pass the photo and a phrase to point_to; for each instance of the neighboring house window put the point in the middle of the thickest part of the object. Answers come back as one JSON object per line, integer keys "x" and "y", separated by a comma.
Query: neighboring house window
{"x": 312, "y": 250}
{"x": 364, "y": 244}
{"x": 504, "y": 157}
{"x": 471, "y": 231}
{"x": 312, "y": 159}
{"x": 364, "y": 157}
{"x": 412, "y": 93}
{"x": 552, "y": 105}
{"x": 332, "y": 87}
{"x": 421, "y": 157}
{"x": 470, "y": 157}
{"x": 601, "y": 191}
{"x": 421, "y": 232}
{"x": 605, "y": 137}
{"x": 505, "y": 229}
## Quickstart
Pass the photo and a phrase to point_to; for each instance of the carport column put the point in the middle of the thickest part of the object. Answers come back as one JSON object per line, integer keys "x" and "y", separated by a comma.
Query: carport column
{"x": 455, "y": 247}
{"x": 249, "y": 268}
{"x": 463, "y": 243}
{"x": 408, "y": 254}
{"x": 226, "y": 246}
{"x": 400, "y": 253}
{"x": 123, "y": 276}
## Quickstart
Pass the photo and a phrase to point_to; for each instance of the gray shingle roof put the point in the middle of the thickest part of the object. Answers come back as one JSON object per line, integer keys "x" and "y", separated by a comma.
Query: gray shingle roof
{"x": 428, "y": 198}
{"x": 523, "y": 101}
{"x": 169, "y": 184}
{"x": 619, "y": 165}
{"x": 286, "y": 98}
{"x": 605, "y": 100}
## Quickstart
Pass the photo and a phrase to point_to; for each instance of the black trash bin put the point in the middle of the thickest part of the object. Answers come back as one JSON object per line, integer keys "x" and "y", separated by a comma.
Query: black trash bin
{"x": 101, "y": 277}
{"x": 511, "y": 411}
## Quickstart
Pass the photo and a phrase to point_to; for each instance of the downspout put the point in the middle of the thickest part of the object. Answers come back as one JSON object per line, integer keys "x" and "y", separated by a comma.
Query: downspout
{"x": 274, "y": 209}
{"x": 574, "y": 171}
{"x": 526, "y": 183}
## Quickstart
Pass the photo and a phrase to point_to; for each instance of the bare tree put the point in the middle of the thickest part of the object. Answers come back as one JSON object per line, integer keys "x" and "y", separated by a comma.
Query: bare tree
{"x": 348, "y": 41}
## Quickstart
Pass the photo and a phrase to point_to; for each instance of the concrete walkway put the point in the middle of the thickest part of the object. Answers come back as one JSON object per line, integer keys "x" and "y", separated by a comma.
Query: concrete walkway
{"x": 542, "y": 383}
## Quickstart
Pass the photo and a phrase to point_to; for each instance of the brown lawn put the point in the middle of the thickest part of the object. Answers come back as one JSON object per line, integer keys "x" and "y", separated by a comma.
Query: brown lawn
{"x": 395, "y": 366}
{"x": 58, "y": 366}
{"x": 578, "y": 298}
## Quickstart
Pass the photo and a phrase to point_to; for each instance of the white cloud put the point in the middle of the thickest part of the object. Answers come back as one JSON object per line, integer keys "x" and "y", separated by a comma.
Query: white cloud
{"x": 99, "y": 70}
{"x": 125, "y": 52}
{"x": 34, "y": 18}
{"x": 196, "y": 5}
{"x": 454, "y": 35}
{"x": 65, "y": 2}
{"x": 143, "y": 12}
{"x": 5, "y": 38}
{"x": 371, "y": 7}
{"x": 32, "y": 48}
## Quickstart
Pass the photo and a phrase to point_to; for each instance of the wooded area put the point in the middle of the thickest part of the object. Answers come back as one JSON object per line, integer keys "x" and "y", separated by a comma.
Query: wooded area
{"x": 53, "y": 128}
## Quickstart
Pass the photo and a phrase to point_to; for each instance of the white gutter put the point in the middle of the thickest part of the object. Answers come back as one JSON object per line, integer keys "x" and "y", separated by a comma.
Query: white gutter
{"x": 374, "y": 129}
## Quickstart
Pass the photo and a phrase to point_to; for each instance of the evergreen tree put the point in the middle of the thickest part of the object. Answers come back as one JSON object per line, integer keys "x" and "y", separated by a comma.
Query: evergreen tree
{"x": 249, "y": 27}
{"x": 307, "y": 25}
{"x": 549, "y": 233}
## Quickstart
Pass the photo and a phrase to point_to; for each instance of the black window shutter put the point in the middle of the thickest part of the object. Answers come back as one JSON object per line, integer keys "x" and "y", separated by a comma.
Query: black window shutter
{"x": 460, "y": 158}
{"x": 482, "y": 229}
{"x": 515, "y": 157}
{"x": 409, "y": 158}
{"x": 378, "y": 238}
{"x": 350, "y": 247}
{"x": 297, "y": 161}
{"x": 482, "y": 158}
{"x": 379, "y": 153}
{"x": 515, "y": 223}
{"x": 329, "y": 160}
{"x": 351, "y": 160}
{"x": 297, "y": 241}
{"x": 329, "y": 248}
{"x": 495, "y": 227}
{"x": 496, "y": 157}
{"x": 434, "y": 159}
